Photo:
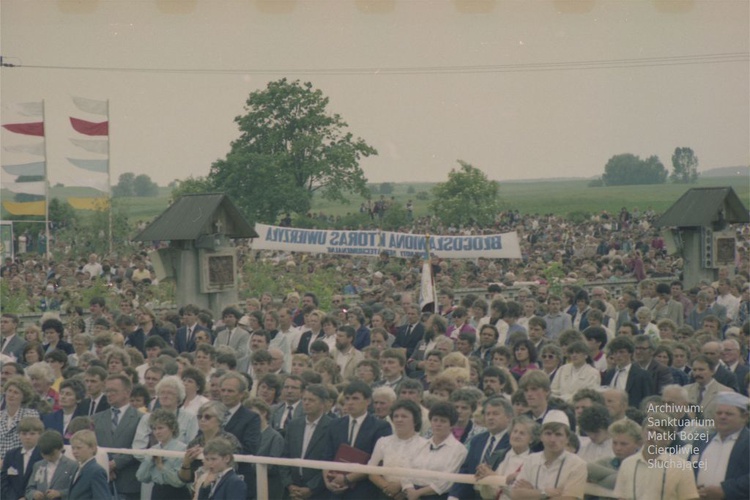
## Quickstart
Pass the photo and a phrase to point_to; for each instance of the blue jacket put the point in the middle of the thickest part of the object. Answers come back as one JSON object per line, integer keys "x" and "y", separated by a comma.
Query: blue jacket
{"x": 13, "y": 478}
{"x": 245, "y": 426}
{"x": 474, "y": 458}
{"x": 55, "y": 421}
{"x": 231, "y": 487}
{"x": 370, "y": 431}
{"x": 91, "y": 483}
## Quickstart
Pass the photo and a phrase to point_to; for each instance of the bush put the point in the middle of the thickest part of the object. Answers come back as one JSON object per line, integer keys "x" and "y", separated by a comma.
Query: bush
{"x": 596, "y": 183}
{"x": 423, "y": 195}
{"x": 578, "y": 216}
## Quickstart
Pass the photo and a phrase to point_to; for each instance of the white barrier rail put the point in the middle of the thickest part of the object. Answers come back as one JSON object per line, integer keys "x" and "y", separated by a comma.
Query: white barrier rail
{"x": 262, "y": 464}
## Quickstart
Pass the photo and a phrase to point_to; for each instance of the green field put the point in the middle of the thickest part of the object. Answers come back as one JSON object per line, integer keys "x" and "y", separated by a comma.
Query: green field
{"x": 562, "y": 197}
{"x": 543, "y": 196}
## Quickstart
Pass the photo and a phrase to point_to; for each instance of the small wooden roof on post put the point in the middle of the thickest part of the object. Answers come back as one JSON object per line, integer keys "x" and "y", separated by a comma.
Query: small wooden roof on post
{"x": 705, "y": 207}
{"x": 196, "y": 215}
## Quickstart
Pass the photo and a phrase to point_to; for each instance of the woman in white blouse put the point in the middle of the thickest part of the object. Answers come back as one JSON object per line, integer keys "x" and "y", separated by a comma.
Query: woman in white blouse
{"x": 195, "y": 385}
{"x": 523, "y": 431}
{"x": 442, "y": 453}
{"x": 400, "y": 449}
{"x": 575, "y": 375}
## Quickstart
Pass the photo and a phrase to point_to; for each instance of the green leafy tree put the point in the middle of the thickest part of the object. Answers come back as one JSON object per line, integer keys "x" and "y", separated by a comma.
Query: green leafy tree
{"x": 628, "y": 169}
{"x": 125, "y": 185}
{"x": 290, "y": 147}
{"x": 62, "y": 213}
{"x": 192, "y": 185}
{"x": 468, "y": 197}
{"x": 387, "y": 188}
{"x": 143, "y": 186}
{"x": 684, "y": 166}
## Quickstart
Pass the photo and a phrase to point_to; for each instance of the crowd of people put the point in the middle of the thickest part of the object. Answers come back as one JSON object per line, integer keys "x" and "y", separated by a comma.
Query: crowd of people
{"x": 549, "y": 386}
{"x": 548, "y": 391}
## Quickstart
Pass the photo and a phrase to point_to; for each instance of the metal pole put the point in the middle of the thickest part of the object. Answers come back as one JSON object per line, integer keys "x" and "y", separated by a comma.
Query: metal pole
{"x": 109, "y": 176}
{"x": 46, "y": 185}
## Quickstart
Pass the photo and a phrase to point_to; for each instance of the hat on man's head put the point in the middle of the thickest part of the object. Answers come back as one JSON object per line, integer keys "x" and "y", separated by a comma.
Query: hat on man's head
{"x": 733, "y": 399}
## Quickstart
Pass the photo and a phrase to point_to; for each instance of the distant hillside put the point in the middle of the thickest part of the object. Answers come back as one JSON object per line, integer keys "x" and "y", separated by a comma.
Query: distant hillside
{"x": 551, "y": 179}
{"x": 742, "y": 171}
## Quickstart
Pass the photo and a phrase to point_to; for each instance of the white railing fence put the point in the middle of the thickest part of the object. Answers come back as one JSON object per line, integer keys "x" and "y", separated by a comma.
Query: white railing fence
{"x": 262, "y": 463}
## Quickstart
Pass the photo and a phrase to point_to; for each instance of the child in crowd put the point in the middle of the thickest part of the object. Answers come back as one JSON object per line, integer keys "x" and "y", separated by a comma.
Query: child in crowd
{"x": 52, "y": 476}
{"x": 19, "y": 462}
{"x": 90, "y": 482}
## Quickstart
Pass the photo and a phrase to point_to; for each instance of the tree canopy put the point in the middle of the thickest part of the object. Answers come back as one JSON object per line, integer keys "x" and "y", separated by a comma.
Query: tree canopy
{"x": 290, "y": 147}
{"x": 467, "y": 197}
{"x": 628, "y": 169}
{"x": 684, "y": 166}
{"x": 129, "y": 184}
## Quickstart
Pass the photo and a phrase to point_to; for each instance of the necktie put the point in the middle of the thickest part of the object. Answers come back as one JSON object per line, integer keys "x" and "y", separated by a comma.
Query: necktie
{"x": 351, "y": 432}
{"x": 93, "y": 407}
{"x": 115, "y": 418}
{"x": 408, "y": 331}
{"x": 488, "y": 452}
{"x": 289, "y": 412}
{"x": 190, "y": 335}
{"x": 701, "y": 390}
{"x": 617, "y": 376}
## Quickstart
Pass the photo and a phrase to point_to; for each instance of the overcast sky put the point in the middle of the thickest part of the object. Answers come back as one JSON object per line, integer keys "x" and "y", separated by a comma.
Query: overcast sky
{"x": 563, "y": 85}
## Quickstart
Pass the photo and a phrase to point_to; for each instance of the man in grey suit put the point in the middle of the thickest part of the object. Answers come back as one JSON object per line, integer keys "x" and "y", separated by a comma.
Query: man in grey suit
{"x": 53, "y": 474}
{"x": 115, "y": 428}
{"x": 233, "y": 335}
{"x": 290, "y": 406}
{"x": 10, "y": 344}
{"x": 666, "y": 307}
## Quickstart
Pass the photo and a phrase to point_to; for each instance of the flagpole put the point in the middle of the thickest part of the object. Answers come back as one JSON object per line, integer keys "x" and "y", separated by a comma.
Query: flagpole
{"x": 46, "y": 184}
{"x": 109, "y": 177}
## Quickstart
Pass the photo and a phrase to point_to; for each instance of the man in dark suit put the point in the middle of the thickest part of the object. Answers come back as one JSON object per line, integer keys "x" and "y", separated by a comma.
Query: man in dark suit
{"x": 661, "y": 376}
{"x": 290, "y": 406}
{"x": 637, "y": 382}
{"x": 730, "y": 355}
{"x": 409, "y": 335}
{"x": 115, "y": 428}
{"x": 10, "y": 343}
{"x": 147, "y": 323}
{"x": 487, "y": 449}
{"x": 243, "y": 423}
{"x": 19, "y": 462}
{"x": 730, "y": 422}
{"x": 184, "y": 340}
{"x": 359, "y": 430}
{"x": 94, "y": 378}
{"x": 307, "y": 438}
{"x": 134, "y": 336}
{"x": 712, "y": 350}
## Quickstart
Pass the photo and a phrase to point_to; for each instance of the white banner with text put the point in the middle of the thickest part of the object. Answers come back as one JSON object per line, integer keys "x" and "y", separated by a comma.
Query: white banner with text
{"x": 374, "y": 242}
